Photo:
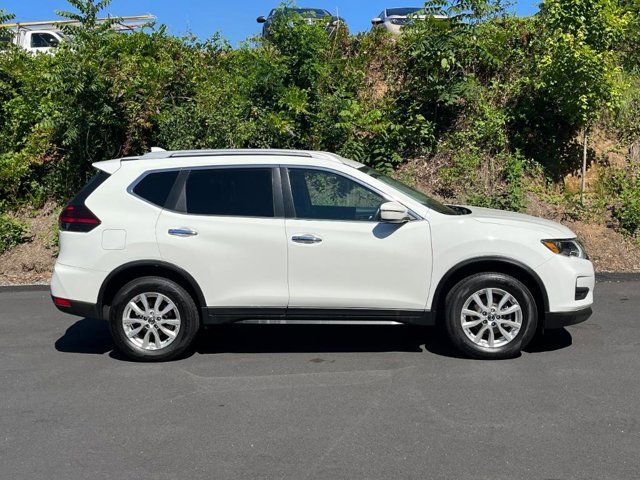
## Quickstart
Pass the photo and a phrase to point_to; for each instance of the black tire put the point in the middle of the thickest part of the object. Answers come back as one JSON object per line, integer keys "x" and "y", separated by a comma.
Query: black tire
{"x": 189, "y": 319}
{"x": 456, "y": 299}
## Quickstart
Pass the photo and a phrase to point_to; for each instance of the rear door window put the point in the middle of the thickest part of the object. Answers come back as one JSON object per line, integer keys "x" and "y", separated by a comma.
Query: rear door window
{"x": 242, "y": 192}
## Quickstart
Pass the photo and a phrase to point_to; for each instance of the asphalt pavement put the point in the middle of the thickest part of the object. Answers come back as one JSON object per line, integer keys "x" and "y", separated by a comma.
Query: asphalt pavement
{"x": 319, "y": 402}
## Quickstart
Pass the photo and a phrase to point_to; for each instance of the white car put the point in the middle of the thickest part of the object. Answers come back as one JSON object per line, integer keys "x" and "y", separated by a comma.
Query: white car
{"x": 394, "y": 20}
{"x": 35, "y": 41}
{"x": 162, "y": 244}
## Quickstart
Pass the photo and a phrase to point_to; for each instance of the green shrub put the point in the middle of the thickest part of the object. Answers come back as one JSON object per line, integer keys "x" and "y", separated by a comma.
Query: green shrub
{"x": 625, "y": 119}
{"x": 618, "y": 191}
{"x": 626, "y": 204}
{"x": 462, "y": 171}
{"x": 15, "y": 168}
{"x": 513, "y": 174}
{"x": 628, "y": 212}
{"x": 12, "y": 233}
{"x": 494, "y": 182}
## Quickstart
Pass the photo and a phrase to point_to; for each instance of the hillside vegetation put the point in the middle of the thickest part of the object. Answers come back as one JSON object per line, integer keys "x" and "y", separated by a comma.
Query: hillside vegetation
{"x": 483, "y": 108}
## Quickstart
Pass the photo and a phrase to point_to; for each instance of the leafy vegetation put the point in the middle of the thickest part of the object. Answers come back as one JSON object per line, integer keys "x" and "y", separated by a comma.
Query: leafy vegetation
{"x": 12, "y": 232}
{"x": 622, "y": 190}
{"x": 498, "y": 105}
{"x": 577, "y": 64}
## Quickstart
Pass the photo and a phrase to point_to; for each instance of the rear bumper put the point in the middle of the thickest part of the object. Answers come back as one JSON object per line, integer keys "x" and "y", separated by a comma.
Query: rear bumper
{"x": 563, "y": 319}
{"x": 80, "y": 309}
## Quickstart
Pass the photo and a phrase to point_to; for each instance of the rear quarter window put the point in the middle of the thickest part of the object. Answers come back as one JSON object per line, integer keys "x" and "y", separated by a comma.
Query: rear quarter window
{"x": 90, "y": 187}
{"x": 155, "y": 187}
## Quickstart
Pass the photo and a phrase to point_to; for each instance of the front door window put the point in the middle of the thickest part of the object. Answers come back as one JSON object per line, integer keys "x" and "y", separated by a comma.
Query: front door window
{"x": 322, "y": 195}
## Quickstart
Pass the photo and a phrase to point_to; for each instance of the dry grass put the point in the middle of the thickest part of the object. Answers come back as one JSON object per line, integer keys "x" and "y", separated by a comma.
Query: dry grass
{"x": 32, "y": 262}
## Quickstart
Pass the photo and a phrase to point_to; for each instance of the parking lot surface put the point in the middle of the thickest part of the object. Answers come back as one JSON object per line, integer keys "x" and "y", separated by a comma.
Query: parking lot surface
{"x": 319, "y": 402}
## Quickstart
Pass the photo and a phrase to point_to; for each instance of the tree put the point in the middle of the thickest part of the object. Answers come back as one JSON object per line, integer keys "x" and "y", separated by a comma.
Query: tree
{"x": 4, "y": 32}
{"x": 577, "y": 65}
{"x": 630, "y": 45}
{"x": 4, "y": 16}
{"x": 441, "y": 60}
{"x": 87, "y": 17}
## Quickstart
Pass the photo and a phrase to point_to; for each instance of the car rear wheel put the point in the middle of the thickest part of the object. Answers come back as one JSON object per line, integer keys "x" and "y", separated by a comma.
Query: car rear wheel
{"x": 153, "y": 319}
{"x": 491, "y": 316}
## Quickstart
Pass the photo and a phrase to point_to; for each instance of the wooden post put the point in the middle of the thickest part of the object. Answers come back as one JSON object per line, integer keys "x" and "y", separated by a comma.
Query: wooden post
{"x": 584, "y": 164}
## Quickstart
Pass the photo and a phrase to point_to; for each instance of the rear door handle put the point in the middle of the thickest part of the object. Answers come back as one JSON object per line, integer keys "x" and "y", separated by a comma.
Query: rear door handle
{"x": 182, "y": 232}
{"x": 306, "y": 238}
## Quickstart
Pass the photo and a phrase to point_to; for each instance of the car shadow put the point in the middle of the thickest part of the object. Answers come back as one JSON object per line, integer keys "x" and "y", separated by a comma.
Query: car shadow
{"x": 342, "y": 338}
{"x": 549, "y": 341}
{"x": 309, "y": 338}
{"x": 384, "y": 230}
{"x": 91, "y": 336}
{"x": 86, "y": 336}
{"x": 324, "y": 339}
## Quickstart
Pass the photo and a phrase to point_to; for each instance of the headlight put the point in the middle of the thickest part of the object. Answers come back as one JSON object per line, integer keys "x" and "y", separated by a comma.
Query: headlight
{"x": 569, "y": 248}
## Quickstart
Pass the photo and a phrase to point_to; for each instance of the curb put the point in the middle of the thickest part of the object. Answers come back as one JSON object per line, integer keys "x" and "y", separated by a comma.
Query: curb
{"x": 617, "y": 277}
{"x": 29, "y": 287}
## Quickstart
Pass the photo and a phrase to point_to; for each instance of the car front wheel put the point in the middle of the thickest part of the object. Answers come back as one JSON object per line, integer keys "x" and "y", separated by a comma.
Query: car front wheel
{"x": 491, "y": 316}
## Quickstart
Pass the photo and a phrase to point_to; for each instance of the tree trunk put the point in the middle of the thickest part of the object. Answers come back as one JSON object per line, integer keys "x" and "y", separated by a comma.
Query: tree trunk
{"x": 634, "y": 152}
{"x": 585, "y": 137}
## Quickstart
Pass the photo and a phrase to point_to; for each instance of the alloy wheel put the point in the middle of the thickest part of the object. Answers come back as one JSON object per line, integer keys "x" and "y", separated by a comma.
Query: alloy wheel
{"x": 151, "y": 321}
{"x": 491, "y": 317}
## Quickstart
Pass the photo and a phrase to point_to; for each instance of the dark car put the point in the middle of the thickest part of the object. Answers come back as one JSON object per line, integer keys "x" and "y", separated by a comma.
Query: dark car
{"x": 310, "y": 15}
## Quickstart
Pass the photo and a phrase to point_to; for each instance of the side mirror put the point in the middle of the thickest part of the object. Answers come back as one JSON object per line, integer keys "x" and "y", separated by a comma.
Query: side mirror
{"x": 376, "y": 21}
{"x": 394, "y": 212}
{"x": 261, "y": 19}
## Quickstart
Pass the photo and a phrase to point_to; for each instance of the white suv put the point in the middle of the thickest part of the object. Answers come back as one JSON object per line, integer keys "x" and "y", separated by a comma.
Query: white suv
{"x": 162, "y": 244}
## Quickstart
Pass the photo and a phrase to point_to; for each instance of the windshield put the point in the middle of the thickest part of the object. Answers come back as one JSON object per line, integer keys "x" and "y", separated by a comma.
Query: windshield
{"x": 43, "y": 40}
{"x": 402, "y": 11}
{"x": 417, "y": 195}
{"x": 311, "y": 12}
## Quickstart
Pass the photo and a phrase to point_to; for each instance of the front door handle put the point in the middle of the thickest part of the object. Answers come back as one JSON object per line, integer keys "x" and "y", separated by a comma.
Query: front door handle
{"x": 182, "y": 232}
{"x": 306, "y": 238}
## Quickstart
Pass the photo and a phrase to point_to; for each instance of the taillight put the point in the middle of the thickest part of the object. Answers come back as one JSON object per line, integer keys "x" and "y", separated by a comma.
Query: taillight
{"x": 61, "y": 302}
{"x": 78, "y": 218}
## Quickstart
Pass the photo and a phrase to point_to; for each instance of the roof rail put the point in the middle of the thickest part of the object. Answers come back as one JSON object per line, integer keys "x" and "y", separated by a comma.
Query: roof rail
{"x": 157, "y": 153}
{"x": 222, "y": 152}
{"x": 59, "y": 22}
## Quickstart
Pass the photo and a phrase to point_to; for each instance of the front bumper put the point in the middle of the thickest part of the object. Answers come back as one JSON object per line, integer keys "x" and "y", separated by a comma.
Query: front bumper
{"x": 554, "y": 320}
{"x": 569, "y": 283}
